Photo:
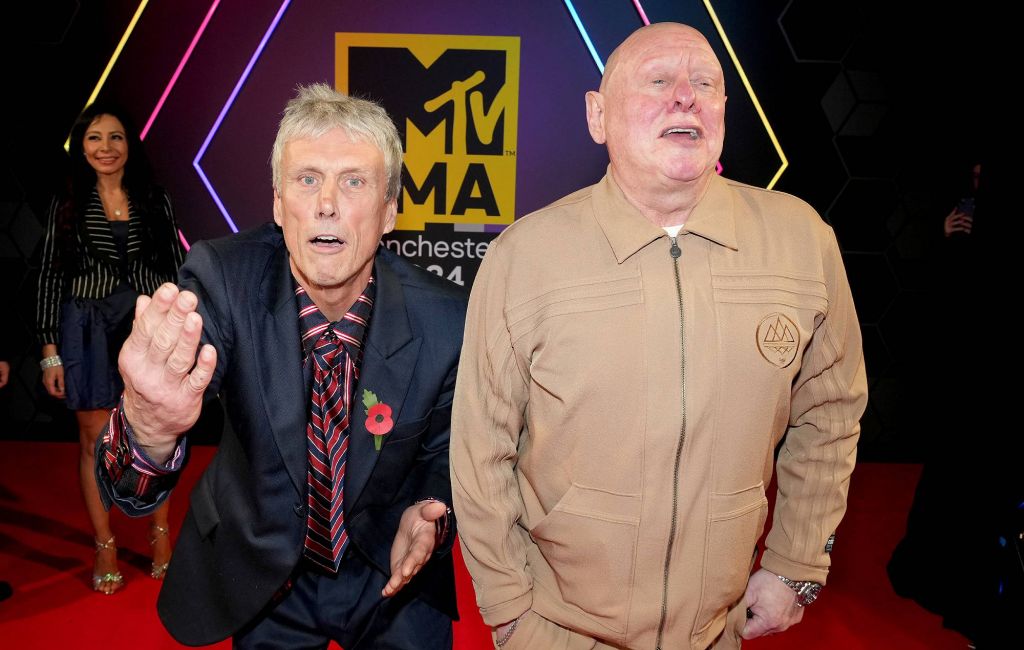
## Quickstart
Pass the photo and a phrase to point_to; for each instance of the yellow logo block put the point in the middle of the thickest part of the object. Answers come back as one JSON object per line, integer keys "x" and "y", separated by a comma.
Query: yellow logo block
{"x": 455, "y": 100}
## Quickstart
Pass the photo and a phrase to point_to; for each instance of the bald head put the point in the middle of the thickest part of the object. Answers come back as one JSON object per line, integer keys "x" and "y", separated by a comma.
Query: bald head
{"x": 638, "y": 40}
{"x": 661, "y": 112}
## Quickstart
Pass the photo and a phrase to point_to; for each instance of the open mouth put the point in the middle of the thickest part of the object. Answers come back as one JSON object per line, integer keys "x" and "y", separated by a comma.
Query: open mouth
{"x": 692, "y": 133}
{"x": 326, "y": 240}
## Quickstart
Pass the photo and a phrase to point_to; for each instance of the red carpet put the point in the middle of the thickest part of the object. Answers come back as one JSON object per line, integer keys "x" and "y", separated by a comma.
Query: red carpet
{"x": 46, "y": 554}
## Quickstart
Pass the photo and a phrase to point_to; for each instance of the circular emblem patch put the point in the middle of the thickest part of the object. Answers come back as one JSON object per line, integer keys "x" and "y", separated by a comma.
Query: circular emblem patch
{"x": 778, "y": 339}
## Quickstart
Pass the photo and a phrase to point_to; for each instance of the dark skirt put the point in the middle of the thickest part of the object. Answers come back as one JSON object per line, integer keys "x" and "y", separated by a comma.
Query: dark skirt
{"x": 92, "y": 332}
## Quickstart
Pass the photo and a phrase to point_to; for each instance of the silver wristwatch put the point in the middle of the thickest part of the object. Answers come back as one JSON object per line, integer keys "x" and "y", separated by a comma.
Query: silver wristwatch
{"x": 806, "y": 591}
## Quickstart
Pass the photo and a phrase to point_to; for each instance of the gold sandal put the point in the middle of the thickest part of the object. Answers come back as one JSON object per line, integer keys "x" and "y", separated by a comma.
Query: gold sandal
{"x": 114, "y": 579}
{"x": 158, "y": 570}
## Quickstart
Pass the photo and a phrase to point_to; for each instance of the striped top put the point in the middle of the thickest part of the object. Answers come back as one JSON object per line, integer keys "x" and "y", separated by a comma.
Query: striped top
{"x": 95, "y": 273}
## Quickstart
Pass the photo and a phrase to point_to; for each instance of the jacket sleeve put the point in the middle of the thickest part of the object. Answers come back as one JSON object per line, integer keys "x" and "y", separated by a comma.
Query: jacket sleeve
{"x": 488, "y": 419}
{"x": 52, "y": 282}
{"x": 820, "y": 448}
{"x": 127, "y": 478}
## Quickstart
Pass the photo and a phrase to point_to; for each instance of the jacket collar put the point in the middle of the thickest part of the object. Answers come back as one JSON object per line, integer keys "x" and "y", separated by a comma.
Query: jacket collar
{"x": 628, "y": 231}
{"x": 389, "y": 358}
{"x": 389, "y": 324}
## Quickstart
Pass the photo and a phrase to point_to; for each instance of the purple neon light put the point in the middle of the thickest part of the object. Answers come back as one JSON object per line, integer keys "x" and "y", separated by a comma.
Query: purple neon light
{"x": 224, "y": 112}
{"x": 177, "y": 71}
{"x": 640, "y": 10}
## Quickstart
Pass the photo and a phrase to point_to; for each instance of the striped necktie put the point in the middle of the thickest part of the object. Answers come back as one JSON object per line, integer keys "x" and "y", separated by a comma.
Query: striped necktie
{"x": 335, "y": 357}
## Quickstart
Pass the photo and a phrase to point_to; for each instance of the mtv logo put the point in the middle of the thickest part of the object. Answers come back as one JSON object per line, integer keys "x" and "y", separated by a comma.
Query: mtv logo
{"x": 455, "y": 100}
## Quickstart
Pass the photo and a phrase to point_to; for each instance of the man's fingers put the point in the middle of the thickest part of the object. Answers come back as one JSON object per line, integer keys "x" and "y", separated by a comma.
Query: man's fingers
{"x": 419, "y": 553}
{"x": 201, "y": 375}
{"x": 184, "y": 354}
{"x": 404, "y": 568}
{"x": 167, "y": 333}
{"x": 402, "y": 574}
{"x": 751, "y": 630}
{"x": 767, "y": 621}
{"x": 396, "y": 581}
{"x": 431, "y": 510}
{"x": 414, "y": 562}
{"x": 757, "y": 626}
{"x": 392, "y": 587}
{"x": 153, "y": 314}
{"x": 413, "y": 544}
{"x": 140, "y": 304}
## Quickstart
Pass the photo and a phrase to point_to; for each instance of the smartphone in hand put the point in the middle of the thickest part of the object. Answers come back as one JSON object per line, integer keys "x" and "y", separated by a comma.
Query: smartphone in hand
{"x": 966, "y": 205}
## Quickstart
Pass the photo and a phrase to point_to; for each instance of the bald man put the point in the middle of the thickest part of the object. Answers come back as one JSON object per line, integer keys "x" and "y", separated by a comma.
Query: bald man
{"x": 634, "y": 354}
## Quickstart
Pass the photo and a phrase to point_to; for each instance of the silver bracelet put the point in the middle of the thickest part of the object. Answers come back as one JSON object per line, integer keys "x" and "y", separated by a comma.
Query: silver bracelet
{"x": 509, "y": 632}
{"x": 50, "y": 362}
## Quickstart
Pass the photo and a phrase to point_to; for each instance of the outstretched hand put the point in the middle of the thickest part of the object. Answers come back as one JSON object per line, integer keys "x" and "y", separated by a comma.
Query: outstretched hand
{"x": 773, "y": 604}
{"x": 163, "y": 380}
{"x": 414, "y": 543}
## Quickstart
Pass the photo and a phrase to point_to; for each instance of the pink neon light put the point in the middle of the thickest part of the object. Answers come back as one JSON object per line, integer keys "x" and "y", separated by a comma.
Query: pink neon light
{"x": 718, "y": 168}
{"x": 184, "y": 242}
{"x": 640, "y": 10}
{"x": 177, "y": 72}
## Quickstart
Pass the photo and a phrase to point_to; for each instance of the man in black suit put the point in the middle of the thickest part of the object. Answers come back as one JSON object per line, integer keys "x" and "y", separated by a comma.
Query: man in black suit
{"x": 325, "y": 513}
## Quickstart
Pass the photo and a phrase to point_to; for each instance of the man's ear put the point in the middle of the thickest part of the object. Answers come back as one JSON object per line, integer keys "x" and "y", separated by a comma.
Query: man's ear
{"x": 390, "y": 216}
{"x": 595, "y": 116}
{"x": 277, "y": 207}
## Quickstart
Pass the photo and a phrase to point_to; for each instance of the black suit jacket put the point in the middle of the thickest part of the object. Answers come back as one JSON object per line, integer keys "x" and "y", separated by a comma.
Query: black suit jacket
{"x": 243, "y": 535}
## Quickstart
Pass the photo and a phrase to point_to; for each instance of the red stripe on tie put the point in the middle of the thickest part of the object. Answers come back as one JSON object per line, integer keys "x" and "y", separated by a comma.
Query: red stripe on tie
{"x": 334, "y": 357}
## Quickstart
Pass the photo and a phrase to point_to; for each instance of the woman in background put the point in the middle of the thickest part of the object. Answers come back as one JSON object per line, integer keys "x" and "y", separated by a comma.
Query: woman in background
{"x": 110, "y": 236}
{"x": 962, "y": 556}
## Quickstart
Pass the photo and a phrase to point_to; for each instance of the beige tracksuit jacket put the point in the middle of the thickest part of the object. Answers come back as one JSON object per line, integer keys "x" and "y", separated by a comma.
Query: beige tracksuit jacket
{"x": 617, "y": 409}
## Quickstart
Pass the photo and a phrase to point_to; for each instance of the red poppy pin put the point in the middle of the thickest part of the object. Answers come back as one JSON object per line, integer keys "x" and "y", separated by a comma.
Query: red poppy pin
{"x": 378, "y": 418}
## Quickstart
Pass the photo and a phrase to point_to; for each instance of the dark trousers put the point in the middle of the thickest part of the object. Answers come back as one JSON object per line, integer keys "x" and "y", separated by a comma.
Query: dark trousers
{"x": 349, "y": 609}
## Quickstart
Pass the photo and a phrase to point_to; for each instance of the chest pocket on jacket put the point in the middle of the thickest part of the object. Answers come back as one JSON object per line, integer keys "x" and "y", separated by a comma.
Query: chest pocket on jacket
{"x": 766, "y": 321}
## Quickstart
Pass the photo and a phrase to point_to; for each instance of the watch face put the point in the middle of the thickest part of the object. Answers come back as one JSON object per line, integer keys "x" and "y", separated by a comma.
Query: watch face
{"x": 808, "y": 593}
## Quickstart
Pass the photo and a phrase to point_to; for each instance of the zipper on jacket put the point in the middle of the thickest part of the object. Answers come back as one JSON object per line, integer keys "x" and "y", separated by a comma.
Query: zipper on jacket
{"x": 675, "y": 252}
